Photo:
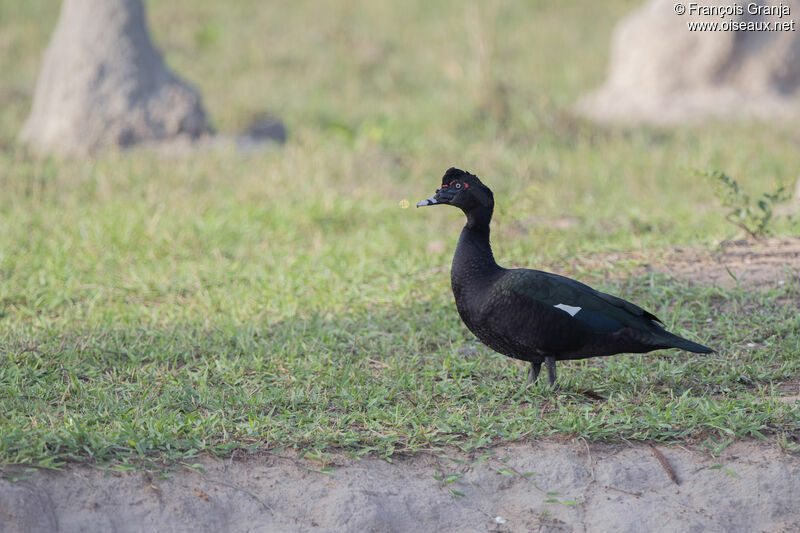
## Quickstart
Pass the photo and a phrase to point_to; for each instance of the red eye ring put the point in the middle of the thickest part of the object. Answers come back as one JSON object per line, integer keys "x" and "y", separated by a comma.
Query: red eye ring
{"x": 458, "y": 185}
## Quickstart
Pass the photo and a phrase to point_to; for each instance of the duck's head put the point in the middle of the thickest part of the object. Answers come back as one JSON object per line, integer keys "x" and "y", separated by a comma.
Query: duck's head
{"x": 461, "y": 189}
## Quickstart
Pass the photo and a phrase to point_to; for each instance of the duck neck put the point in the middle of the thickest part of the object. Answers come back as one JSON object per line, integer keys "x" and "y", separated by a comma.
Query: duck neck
{"x": 474, "y": 252}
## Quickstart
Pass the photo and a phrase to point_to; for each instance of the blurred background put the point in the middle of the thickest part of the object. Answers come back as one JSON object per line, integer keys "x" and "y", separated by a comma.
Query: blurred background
{"x": 377, "y": 99}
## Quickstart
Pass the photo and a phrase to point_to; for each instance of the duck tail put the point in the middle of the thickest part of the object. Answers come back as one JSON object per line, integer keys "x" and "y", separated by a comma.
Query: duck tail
{"x": 671, "y": 340}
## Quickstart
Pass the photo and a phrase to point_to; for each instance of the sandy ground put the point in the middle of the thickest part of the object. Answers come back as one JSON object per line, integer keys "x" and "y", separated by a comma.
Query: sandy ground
{"x": 755, "y": 265}
{"x": 574, "y": 486}
{"x": 750, "y": 486}
{"x": 765, "y": 263}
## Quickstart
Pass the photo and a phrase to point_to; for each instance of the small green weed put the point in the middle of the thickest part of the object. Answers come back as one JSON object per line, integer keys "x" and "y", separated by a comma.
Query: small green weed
{"x": 726, "y": 470}
{"x": 752, "y": 217}
{"x": 789, "y": 442}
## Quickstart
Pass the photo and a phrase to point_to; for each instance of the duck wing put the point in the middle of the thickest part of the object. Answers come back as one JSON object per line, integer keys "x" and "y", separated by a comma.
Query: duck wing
{"x": 598, "y": 312}
{"x": 576, "y": 318}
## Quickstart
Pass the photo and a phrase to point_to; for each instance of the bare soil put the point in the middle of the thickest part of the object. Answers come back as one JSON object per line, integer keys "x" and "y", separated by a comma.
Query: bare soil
{"x": 753, "y": 264}
{"x": 750, "y": 486}
{"x": 533, "y": 486}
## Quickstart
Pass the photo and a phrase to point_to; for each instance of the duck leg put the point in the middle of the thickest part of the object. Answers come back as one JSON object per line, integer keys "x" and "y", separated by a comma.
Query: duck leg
{"x": 550, "y": 363}
{"x": 533, "y": 373}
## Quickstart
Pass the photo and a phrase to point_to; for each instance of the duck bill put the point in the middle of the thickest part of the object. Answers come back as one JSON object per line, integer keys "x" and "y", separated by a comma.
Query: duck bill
{"x": 428, "y": 201}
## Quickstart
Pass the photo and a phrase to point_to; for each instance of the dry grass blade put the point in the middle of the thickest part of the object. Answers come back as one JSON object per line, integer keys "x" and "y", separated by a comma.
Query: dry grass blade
{"x": 665, "y": 464}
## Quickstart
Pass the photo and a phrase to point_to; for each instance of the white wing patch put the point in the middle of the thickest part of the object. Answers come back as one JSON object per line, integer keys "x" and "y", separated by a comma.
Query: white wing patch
{"x": 568, "y": 308}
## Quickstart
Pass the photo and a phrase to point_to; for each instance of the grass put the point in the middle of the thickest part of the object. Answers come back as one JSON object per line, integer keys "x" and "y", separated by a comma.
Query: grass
{"x": 152, "y": 308}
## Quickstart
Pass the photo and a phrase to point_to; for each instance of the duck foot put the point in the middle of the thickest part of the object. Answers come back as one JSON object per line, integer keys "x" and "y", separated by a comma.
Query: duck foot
{"x": 550, "y": 363}
{"x": 533, "y": 373}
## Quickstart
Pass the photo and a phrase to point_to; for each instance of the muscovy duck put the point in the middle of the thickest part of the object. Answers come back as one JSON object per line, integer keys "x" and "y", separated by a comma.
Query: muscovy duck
{"x": 532, "y": 315}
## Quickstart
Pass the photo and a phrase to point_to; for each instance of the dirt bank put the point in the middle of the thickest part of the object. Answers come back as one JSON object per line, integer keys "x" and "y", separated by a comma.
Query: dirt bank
{"x": 750, "y": 486}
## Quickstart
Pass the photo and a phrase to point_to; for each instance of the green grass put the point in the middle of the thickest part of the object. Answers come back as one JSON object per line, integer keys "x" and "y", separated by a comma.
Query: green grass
{"x": 156, "y": 307}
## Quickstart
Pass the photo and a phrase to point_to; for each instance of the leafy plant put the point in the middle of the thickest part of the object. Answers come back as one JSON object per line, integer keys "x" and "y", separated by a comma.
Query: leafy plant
{"x": 752, "y": 217}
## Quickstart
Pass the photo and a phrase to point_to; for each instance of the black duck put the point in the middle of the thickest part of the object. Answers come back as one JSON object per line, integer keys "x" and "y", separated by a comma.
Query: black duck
{"x": 532, "y": 315}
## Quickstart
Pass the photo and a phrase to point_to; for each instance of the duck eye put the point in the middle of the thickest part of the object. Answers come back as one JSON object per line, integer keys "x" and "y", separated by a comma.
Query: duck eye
{"x": 458, "y": 185}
